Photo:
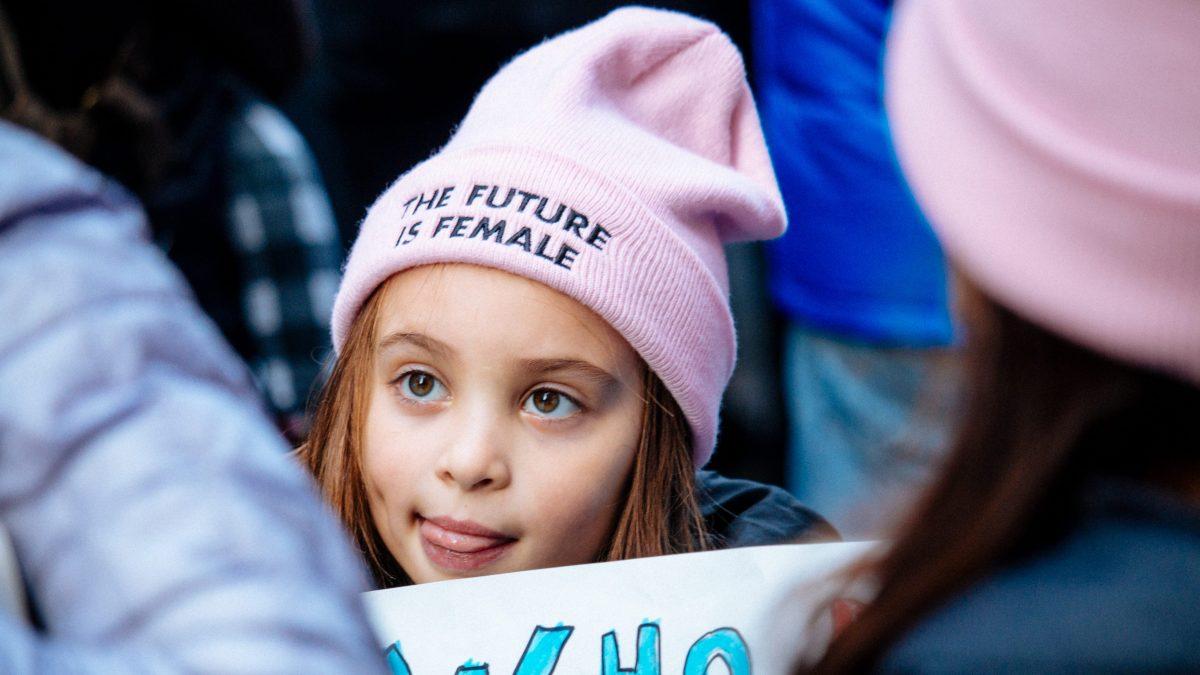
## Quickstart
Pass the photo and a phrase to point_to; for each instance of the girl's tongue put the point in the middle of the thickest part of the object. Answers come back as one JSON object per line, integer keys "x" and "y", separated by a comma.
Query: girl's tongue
{"x": 461, "y": 536}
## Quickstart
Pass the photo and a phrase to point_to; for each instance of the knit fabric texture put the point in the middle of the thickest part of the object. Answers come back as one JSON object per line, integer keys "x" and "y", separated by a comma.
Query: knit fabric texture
{"x": 1056, "y": 150}
{"x": 610, "y": 163}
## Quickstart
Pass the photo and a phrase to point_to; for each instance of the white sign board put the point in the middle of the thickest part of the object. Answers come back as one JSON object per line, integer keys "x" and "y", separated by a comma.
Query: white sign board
{"x": 691, "y": 614}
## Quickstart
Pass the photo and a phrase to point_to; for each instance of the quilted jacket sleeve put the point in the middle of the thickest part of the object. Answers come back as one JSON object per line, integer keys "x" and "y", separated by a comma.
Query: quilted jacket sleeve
{"x": 160, "y": 525}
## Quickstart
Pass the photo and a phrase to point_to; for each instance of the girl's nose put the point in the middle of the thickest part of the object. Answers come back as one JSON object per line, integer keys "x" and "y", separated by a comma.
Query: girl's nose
{"x": 476, "y": 459}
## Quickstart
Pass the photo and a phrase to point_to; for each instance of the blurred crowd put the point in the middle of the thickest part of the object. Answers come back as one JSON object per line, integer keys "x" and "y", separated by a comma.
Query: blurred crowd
{"x": 253, "y": 137}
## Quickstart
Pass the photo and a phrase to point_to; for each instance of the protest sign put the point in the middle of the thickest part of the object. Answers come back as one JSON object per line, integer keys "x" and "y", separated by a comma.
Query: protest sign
{"x": 688, "y": 614}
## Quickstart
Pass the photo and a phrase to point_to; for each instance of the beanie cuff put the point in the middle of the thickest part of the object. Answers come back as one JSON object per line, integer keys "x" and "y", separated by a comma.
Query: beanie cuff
{"x": 539, "y": 215}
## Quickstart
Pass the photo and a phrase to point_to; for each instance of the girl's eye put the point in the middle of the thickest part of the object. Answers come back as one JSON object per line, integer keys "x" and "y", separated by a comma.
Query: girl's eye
{"x": 419, "y": 385}
{"x": 550, "y": 404}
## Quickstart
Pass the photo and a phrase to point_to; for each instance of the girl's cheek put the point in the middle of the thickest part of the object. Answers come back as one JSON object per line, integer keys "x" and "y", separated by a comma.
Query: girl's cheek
{"x": 575, "y": 531}
{"x": 584, "y": 486}
{"x": 396, "y": 446}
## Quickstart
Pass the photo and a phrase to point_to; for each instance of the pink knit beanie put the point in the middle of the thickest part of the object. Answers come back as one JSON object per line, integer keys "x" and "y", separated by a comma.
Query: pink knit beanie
{"x": 610, "y": 163}
{"x": 1055, "y": 147}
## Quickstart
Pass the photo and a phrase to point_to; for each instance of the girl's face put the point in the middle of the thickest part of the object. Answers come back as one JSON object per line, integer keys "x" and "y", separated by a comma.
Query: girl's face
{"x": 502, "y": 427}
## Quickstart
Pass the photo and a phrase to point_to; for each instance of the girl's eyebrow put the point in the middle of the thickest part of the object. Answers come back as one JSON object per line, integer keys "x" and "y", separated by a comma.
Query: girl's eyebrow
{"x": 419, "y": 340}
{"x": 597, "y": 375}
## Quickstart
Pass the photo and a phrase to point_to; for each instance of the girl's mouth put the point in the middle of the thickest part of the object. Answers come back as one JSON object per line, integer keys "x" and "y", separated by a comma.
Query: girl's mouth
{"x": 461, "y": 545}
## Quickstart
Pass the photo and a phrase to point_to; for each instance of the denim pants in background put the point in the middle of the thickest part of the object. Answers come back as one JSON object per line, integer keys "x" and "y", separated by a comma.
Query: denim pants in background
{"x": 868, "y": 426}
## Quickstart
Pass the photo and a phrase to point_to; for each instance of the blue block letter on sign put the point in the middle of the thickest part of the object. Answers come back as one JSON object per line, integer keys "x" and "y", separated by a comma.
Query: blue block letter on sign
{"x": 395, "y": 660}
{"x": 543, "y": 650}
{"x": 648, "y": 662}
{"x": 723, "y": 643}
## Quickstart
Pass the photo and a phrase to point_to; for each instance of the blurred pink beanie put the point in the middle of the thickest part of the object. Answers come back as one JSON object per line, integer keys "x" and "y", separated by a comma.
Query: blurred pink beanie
{"x": 610, "y": 163}
{"x": 1055, "y": 147}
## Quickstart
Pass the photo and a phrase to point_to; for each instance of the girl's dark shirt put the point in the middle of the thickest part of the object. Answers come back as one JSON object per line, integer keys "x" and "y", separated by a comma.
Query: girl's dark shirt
{"x": 744, "y": 513}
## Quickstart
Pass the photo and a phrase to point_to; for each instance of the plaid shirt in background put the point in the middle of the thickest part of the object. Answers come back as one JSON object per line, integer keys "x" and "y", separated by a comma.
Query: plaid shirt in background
{"x": 287, "y": 251}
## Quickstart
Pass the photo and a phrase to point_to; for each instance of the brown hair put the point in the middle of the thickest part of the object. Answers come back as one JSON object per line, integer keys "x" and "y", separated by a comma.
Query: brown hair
{"x": 96, "y": 110}
{"x": 1043, "y": 418}
{"x": 660, "y": 515}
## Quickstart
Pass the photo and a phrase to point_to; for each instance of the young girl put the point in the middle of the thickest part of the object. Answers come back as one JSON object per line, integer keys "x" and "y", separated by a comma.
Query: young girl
{"x": 533, "y": 330}
{"x": 1056, "y": 151}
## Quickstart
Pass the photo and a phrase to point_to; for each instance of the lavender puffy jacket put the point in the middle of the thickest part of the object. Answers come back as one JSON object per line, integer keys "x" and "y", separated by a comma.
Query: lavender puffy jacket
{"x": 159, "y": 525}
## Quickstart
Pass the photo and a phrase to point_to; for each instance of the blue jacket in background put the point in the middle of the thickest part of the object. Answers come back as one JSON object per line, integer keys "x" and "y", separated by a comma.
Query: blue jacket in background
{"x": 858, "y": 260}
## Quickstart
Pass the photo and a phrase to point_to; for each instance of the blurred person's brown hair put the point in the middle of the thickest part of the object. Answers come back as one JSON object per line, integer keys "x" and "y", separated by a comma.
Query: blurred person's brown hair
{"x": 1043, "y": 418}
{"x": 66, "y": 80}
{"x": 100, "y": 79}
